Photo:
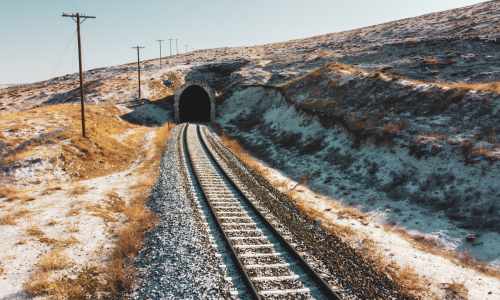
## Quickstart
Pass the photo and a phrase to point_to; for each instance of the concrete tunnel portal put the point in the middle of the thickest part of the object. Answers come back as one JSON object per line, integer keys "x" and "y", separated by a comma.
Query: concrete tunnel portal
{"x": 194, "y": 102}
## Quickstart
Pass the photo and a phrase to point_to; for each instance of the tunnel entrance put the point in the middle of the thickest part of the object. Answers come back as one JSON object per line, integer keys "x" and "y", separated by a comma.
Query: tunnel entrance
{"x": 194, "y": 105}
{"x": 194, "y": 102}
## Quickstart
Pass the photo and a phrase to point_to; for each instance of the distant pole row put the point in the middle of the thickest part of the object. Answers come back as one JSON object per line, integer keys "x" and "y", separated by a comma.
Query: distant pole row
{"x": 77, "y": 17}
{"x": 176, "y": 47}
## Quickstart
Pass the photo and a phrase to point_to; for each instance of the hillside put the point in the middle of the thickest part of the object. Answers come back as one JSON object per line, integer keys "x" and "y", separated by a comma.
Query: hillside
{"x": 398, "y": 120}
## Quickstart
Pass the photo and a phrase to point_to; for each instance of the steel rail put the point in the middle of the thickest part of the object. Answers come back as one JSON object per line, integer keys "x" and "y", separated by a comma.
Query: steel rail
{"x": 311, "y": 272}
{"x": 239, "y": 265}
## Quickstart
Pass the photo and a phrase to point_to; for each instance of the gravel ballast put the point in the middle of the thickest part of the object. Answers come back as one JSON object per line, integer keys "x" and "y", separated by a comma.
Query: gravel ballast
{"x": 177, "y": 261}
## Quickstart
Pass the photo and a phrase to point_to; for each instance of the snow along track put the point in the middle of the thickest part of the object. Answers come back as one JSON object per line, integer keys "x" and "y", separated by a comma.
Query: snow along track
{"x": 267, "y": 263}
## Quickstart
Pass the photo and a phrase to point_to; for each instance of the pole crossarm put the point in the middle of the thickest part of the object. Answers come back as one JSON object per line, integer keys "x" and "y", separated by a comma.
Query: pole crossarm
{"x": 78, "y": 15}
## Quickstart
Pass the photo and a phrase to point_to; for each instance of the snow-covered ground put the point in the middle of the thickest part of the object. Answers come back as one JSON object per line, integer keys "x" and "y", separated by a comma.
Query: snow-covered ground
{"x": 437, "y": 270}
{"x": 74, "y": 224}
{"x": 381, "y": 180}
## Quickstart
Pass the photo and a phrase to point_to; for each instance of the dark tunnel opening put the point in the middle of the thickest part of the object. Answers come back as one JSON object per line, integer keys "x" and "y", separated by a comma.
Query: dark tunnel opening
{"x": 194, "y": 105}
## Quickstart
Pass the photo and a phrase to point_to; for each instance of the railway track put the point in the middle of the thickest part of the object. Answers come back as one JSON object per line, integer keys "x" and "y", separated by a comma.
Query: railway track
{"x": 267, "y": 264}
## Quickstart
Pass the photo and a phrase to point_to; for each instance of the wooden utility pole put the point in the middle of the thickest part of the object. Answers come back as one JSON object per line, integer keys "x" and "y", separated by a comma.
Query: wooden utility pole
{"x": 82, "y": 93}
{"x": 138, "y": 68}
{"x": 176, "y": 47}
{"x": 187, "y": 48}
{"x": 160, "y": 49}
{"x": 170, "y": 46}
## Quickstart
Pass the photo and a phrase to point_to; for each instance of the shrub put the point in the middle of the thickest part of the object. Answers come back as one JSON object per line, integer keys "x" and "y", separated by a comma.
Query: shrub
{"x": 386, "y": 68}
{"x": 428, "y": 62}
{"x": 392, "y": 129}
{"x": 467, "y": 146}
{"x": 457, "y": 95}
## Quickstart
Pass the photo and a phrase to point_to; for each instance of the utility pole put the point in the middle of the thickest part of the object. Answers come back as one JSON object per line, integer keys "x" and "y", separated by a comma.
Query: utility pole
{"x": 82, "y": 94}
{"x": 187, "y": 48}
{"x": 176, "y": 47}
{"x": 160, "y": 50}
{"x": 139, "y": 68}
{"x": 170, "y": 46}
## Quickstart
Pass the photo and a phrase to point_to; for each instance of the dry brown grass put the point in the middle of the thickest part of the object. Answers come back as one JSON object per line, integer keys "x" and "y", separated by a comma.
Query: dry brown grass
{"x": 107, "y": 208}
{"x": 53, "y": 260}
{"x": 10, "y": 219}
{"x": 73, "y": 227}
{"x": 434, "y": 246}
{"x": 38, "y": 284}
{"x": 114, "y": 203}
{"x": 78, "y": 190}
{"x": 487, "y": 152}
{"x": 2, "y": 268}
{"x": 12, "y": 193}
{"x": 393, "y": 129}
{"x": 158, "y": 90}
{"x": 410, "y": 282}
{"x": 75, "y": 208}
{"x": 436, "y": 136}
{"x": 51, "y": 189}
{"x": 130, "y": 238}
{"x": 100, "y": 154}
{"x": 33, "y": 229}
{"x": 85, "y": 284}
{"x": 139, "y": 220}
{"x": 456, "y": 289}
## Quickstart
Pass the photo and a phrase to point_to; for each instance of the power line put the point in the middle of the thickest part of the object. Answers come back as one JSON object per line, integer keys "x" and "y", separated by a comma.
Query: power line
{"x": 74, "y": 5}
{"x": 82, "y": 94}
{"x": 160, "y": 49}
{"x": 139, "y": 68}
{"x": 63, "y": 54}
{"x": 113, "y": 32}
{"x": 74, "y": 54}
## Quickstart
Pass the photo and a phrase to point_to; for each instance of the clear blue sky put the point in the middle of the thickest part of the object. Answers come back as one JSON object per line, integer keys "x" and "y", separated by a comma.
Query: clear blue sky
{"x": 33, "y": 35}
